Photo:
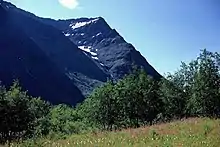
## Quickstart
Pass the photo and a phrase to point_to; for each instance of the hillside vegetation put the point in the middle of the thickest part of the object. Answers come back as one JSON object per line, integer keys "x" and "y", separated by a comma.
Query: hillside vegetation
{"x": 135, "y": 101}
{"x": 201, "y": 132}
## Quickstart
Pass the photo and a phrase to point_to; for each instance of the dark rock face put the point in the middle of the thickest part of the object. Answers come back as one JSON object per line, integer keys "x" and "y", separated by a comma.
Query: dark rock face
{"x": 21, "y": 58}
{"x": 62, "y": 60}
{"x": 60, "y": 49}
{"x": 110, "y": 50}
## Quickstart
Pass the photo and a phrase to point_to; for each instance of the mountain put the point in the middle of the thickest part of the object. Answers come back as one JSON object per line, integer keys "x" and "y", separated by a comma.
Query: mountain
{"x": 60, "y": 50}
{"x": 103, "y": 44}
{"x": 62, "y": 60}
{"x": 21, "y": 58}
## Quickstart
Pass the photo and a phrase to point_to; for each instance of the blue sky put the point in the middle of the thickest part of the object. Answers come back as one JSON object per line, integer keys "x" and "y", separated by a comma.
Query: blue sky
{"x": 166, "y": 32}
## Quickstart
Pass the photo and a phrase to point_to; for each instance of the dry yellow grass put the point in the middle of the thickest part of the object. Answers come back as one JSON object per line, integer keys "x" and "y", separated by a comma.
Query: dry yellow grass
{"x": 193, "y": 132}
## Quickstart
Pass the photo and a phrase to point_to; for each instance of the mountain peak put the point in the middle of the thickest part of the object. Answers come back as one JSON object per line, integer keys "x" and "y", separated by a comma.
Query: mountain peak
{"x": 83, "y": 53}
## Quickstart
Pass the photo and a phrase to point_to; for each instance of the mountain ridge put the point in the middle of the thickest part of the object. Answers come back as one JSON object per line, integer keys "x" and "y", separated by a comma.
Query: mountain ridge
{"x": 97, "y": 36}
{"x": 17, "y": 61}
{"x": 87, "y": 51}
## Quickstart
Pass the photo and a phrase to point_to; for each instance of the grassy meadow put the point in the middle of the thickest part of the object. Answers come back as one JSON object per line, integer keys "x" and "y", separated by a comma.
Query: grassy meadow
{"x": 193, "y": 132}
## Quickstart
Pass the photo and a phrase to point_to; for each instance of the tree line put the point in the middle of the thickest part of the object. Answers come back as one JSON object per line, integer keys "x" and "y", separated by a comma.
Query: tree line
{"x": 134, "y": 101}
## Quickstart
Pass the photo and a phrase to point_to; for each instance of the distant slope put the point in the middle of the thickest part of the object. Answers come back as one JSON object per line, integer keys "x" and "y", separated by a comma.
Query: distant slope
{"x": 21, "y": 58}
{"x": 83, "y": 72}
{"x": 109, "y": 48}
{"x": 60, "y": 49}
{"x": 83, "y": 54}
{"x": 193, "y": 132}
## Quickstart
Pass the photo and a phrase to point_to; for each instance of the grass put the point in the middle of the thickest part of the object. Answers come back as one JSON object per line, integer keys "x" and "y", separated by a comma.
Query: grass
{"x": 193, "y": 132}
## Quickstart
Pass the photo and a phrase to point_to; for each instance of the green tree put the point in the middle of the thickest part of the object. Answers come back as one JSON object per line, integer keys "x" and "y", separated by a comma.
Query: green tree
{"x": 139, "y": 99}
{"x": 131, "y": 102}
{"x": 64, "y": 120}
{"x": 3, "y": 115}
{"x": 99, "y": 108}
{"x": 173, "y": 98}
{"x": 21, "y": 115}
{"x": 205, "y": 98}
{"x": 40, "y": 110}
{"x": 15, "y": 113}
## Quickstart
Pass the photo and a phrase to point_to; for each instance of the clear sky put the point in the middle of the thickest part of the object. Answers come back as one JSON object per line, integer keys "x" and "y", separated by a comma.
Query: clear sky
{"x": 166, "y": 32}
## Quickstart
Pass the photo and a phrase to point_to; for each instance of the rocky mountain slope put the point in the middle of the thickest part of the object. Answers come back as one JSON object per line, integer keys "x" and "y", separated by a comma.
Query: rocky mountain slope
{"x": 103, "y": 44}
{"x": 62, "y": 60}
{"x": 21, "y": 58}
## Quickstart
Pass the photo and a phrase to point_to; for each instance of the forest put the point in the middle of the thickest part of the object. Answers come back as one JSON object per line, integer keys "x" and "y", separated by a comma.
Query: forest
{"x": 134, "y": 101}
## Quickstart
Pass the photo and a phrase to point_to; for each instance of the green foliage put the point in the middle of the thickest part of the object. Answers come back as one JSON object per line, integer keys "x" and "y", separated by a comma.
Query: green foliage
{"x": 98, "y": 109}
{"x": 194, "y": 89}
{"x": 65, "y": 120}
{"x": 15, "y": 114}
{"x": 173, "y": 98}
{"x": 131, "y": 102}
{"x": 19, "y": 114}
{"x": 40, "y": 110}
{"x": 137, "y": 94}
{"x": 205, "y": 96}
{"x": 138, "y": 99}
{"x": 134, "y": 101}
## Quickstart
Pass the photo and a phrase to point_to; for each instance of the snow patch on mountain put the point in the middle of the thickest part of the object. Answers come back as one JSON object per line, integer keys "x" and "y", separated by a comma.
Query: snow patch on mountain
{"x": 67, "y": 34}
{"x": 96, "y": 58}
{"x": 81, "y": 24}
{"x": 87, "y": 49}
{"x": 98, "y": 34}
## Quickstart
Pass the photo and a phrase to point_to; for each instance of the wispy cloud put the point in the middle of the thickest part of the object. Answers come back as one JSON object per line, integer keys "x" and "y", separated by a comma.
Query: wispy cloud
{"x": 70, "y": 4}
